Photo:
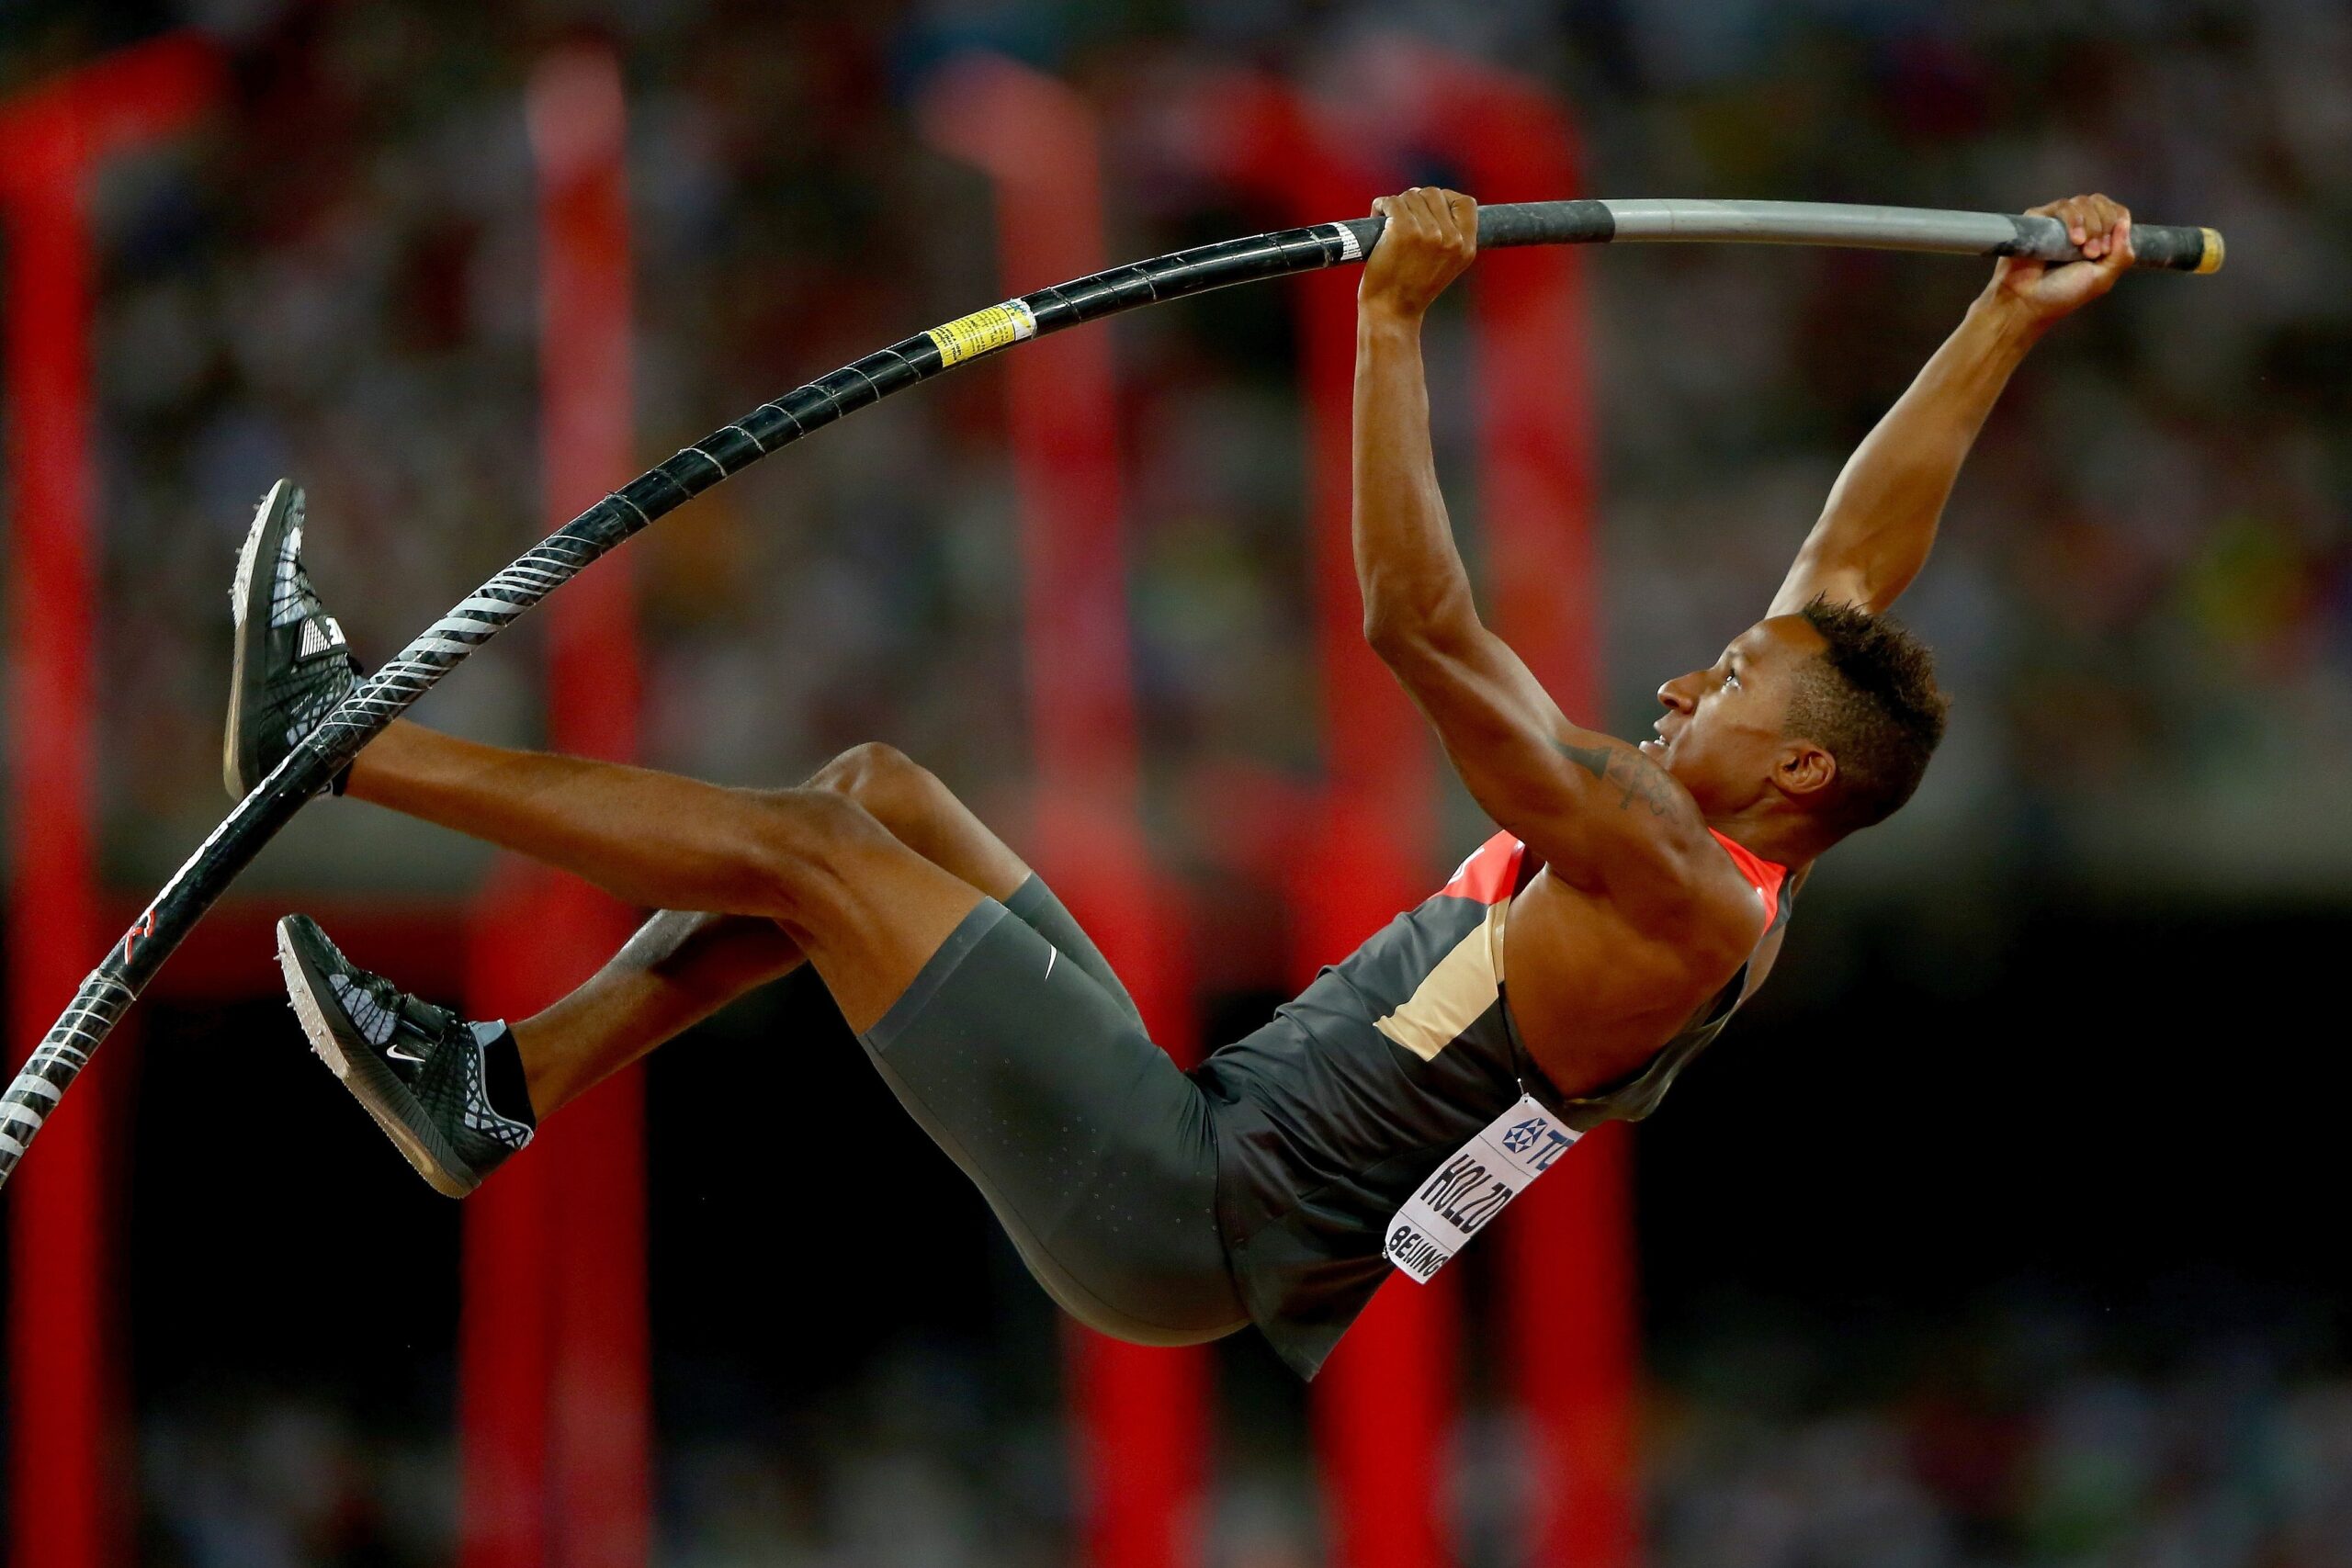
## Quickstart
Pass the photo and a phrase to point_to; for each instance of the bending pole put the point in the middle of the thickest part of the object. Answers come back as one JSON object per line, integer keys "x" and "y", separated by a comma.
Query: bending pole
{"x": 309, "y": 767}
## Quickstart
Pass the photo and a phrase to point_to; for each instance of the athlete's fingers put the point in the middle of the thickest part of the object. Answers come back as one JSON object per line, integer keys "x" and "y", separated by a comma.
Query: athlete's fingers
{"x": 1403, "y": 216}
{"x": 2070, "y": 213}
{"x": 1399, "y": 213}
{"x": 1433, "y": 203}
{"x": 1447, "y": 207}
{"x": 1409, "y": 227}
{"x": 1414, "y": 210}
{"x": 2104, "y": 215}
{"x": 1461, "y": 220}
{"x": 2115, "y": 218}
{"x": 1443, "y": 230}
{"x": 1463, "y": 212}
{"x": 2091, "y": 222}
{"x": 1430, "y": 237}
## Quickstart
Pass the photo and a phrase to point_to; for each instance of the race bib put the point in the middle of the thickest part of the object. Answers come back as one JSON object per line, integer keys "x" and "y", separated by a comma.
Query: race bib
{"x": 1473, "y": 1187}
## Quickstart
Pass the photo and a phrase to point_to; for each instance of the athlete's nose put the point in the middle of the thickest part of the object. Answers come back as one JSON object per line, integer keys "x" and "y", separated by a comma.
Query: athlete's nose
{"x": 1680, "y": 693}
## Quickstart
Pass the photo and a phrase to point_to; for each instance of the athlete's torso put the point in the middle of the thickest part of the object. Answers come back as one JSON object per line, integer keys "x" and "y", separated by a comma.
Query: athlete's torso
{"x": 1335, "y": 1111}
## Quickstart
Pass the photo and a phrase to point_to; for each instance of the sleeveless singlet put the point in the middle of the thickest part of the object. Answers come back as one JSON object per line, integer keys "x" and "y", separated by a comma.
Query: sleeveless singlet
{"x": 1338, "y": 1109}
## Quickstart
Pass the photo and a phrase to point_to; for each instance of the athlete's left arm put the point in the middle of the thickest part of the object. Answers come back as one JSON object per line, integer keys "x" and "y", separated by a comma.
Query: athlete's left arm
{"x": 1880, "y": 523}
{"x": 1601, "y": 814}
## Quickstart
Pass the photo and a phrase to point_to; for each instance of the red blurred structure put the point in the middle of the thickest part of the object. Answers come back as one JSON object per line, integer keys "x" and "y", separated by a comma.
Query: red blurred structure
{"x": 1140, "y": 1430}
{"x": 67, "y": 1446}
{"x": 1568, "y": 1246}
{"x": 553, "y": 1346}
{"x": 1384, "y": 1403}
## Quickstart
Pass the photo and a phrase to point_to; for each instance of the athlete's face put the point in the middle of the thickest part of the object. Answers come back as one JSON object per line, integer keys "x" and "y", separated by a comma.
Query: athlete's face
{"x": 1722, "y": 735}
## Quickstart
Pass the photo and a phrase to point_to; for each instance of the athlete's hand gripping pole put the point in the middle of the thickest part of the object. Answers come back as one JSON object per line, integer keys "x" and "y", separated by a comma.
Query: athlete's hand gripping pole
{"x": 132, "y": 961}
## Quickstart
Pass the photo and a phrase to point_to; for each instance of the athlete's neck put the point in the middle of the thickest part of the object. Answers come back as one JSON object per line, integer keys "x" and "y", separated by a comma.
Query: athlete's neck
{"x": 1787, "y": 840}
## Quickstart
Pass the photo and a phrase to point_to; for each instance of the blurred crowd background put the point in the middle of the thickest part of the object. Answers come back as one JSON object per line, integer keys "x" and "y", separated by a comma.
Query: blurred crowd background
{"x": 2143, "y": 601}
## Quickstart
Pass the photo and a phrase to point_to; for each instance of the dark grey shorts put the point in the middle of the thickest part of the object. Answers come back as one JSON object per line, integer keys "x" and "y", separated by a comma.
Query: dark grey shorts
{"x": 1024, "y": 1057}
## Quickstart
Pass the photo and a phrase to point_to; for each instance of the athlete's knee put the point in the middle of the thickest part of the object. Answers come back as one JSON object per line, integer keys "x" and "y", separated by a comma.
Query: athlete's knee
{"x": 803, "y": 850}
{"x": 923, "y": 814}
{"x": 871, "y": 766}
{"x": 898, "y": 792}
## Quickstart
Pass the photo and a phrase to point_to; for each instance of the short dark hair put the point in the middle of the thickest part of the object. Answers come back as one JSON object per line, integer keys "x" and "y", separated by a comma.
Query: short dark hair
{"x": 1871, "y": 700}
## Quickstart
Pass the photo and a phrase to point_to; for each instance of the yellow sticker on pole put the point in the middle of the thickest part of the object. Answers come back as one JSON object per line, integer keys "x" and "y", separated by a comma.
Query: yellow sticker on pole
{"x": 983, "y": 331}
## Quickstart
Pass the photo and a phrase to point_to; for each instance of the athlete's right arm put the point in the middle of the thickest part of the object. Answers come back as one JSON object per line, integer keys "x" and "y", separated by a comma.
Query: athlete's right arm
{"x": 1602, "y": 816}
{"x": 1880, "y": 522}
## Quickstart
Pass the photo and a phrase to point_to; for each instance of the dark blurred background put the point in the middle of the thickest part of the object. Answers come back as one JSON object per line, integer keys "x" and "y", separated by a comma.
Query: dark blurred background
{"x": 2004, "y": 1229}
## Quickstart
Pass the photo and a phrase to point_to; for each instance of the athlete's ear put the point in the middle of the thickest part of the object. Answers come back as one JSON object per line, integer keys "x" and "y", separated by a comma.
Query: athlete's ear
{"x": 1804, "y": 773}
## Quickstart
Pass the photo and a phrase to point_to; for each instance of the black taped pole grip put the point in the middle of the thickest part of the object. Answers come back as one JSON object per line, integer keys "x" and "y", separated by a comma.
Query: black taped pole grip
{"x": 1546, "y": 223}
{"x": 2154, "y": 246}
{"x": 1587, "y": 222}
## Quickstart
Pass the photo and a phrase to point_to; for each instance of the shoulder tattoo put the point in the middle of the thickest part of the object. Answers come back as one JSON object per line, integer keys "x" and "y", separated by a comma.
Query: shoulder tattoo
{"x": 1634, "y": 776}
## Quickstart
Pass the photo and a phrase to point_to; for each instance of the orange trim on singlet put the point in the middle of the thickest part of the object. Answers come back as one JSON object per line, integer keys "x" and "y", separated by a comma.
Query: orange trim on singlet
{"x": 1490, "y": 874}
{"x": 1762, "y": 875}
{"x": 1492, "y": 870}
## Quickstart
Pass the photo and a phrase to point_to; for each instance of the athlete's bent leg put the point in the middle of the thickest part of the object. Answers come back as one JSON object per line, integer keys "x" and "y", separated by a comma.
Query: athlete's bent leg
{"x": 1022, "y": 1055}
{"x": 682, "y": 966}
{"x": 1096, "y": 1151}
{"x": 862, "y": 906}
{"x": 866, "y": 909}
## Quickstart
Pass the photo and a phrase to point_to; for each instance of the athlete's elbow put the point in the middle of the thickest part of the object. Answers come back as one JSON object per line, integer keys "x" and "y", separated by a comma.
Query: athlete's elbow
{"x": 1405, "y": 633}
{"x": 1389, "y": 633}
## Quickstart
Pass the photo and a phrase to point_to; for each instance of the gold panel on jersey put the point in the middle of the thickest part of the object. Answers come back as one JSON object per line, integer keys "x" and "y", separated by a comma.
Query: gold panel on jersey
{"x": 1454, "y": 995}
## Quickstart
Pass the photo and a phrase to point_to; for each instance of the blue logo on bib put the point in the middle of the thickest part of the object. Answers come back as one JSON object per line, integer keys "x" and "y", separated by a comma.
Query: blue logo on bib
{"x": 1522, "y": 1138}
